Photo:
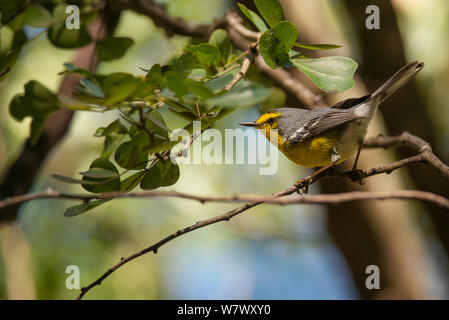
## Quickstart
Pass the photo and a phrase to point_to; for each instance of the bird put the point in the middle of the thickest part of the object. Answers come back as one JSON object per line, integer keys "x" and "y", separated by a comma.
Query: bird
{"x": 325, "y": 137}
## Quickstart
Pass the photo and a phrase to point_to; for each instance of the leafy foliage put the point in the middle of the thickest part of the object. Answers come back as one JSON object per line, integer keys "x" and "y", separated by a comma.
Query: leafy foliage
{"x": 253, "y": 17}
{"x": 277, "y": 42}
{"x": 37, "y": 102}
{"x": 111, "y": 48}
{"x": 271, "y": 11}
{"x": 190, "y": 87}
{"x": 61, "y": 37}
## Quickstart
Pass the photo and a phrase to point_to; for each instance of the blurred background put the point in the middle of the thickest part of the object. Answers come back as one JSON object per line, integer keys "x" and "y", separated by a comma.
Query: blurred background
{"x": 269, "y": 252}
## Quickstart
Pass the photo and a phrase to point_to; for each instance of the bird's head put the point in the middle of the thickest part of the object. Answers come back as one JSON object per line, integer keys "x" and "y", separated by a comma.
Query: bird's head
{"x": 266, "y": 121}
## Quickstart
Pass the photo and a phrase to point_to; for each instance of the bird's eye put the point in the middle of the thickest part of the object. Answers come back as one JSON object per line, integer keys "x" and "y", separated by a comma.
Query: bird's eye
{"x": 270, "y": 121}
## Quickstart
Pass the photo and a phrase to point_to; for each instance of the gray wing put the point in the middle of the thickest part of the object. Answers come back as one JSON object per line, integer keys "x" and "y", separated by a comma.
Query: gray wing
{"x": 318, "y": 121}
{"x": 349, "y": 103}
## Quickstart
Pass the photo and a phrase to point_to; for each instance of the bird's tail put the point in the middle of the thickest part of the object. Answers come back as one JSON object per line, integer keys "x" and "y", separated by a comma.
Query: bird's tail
{"x": 397, "y": 80}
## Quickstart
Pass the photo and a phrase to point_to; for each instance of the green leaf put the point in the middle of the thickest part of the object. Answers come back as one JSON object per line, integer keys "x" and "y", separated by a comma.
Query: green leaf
{"x": 317, "y": 46}
{"x": 160, "y": 175}
{"x": 37, "y": 16}
{"x": 61, "y": 37}
{"x": 271, "y": 11}
{"x": 198, "y": 74}
{"x": 115, "y": 127}
{"x": 329, "y": 73}
{"x": 132, "y": 181}
{"x": 66, "y": 179}
{"x": 155, "y": 123}
{"x": 104, "y": 184}
{"x": 81, "y": 208}
{"x": 180, "y": 109}
{"x": 220, "y": 39}
{"x": 132, "y": 154}
{"x": 199, "y": 89}
{"x": 10, "y": 9}
{"x": 176, "y": 82}
{"x": 99, "y": 173}
{"x": 111, "y": 48}
{"x": 207, "y": 54}
{"x": 218, "y": 84}
{"x": 239, "y": 97}
{"x": 37, "y": 102}
{"x": 118, "y": 87}
{"x": 155, "y": 74}
{"x": 91, "y": 88}
{"x": 184, "y": 63}
{"x": 253, "y": 17}
{"x": 71, "y": 68}
{"x": 9, "y": 55}
{"x": 276, "y": 44}
{"x": 162, "y": 147}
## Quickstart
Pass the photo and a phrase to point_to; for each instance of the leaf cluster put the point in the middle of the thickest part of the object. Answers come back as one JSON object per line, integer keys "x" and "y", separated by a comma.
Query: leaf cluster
{"x": 191, "y": 87}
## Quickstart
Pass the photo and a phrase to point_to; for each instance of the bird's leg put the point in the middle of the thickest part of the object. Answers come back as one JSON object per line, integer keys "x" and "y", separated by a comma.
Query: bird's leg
{"x": 303, "y": 184}
{"x": 354, "y": 167}
{"x": 355, "y": 174}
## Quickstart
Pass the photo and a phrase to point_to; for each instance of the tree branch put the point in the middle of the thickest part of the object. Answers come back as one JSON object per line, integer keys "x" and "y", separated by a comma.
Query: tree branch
{"x": 273, "y": 199}
{"x": 425, "y": 155}
{"x": 162, "y": 19}
{"x": 406, "y": 139}
{"x": 49, "y": 193}
{"x": 242, "y": 72}
{"x": 238, "y": 33}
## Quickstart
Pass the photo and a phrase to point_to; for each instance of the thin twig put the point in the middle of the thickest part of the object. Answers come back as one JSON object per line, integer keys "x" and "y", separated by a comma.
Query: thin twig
{"x": 274, "y": 199}
{"x": 412, "y": 141}
{"x": 171, "y": 25}
{"x": 243, "y": 54}
{"x": 236, "y": 22}
{"x": 242, "y": 72}
{"x": 49, "y": 193}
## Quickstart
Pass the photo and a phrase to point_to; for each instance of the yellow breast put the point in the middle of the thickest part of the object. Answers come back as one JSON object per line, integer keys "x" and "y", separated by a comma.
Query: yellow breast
{"x": 317, "y": 151}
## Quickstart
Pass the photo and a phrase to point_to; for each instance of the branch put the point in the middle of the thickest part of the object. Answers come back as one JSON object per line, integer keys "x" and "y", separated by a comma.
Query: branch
{"x": 49, "y": 193}
{"x": 162, "y": 19}
{"x": 425, "y": 155}
{"x": 243, "y": 71}
{"x": 406, "y": 139}
{"x": 273, "y": 199}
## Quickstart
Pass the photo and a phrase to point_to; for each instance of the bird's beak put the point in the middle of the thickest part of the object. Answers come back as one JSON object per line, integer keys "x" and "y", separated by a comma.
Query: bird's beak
{"x": 249, "y": 124}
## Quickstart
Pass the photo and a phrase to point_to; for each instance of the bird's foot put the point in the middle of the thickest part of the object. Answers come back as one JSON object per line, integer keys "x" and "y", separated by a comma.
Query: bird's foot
{"x": 357, "y": 175}
{"x": 302, "y": 185}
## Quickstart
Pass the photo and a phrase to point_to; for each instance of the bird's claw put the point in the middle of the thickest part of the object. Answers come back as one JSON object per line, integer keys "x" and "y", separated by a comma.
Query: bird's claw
{"x": 357, "y": 175}
{"x": 302, "y": 185}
